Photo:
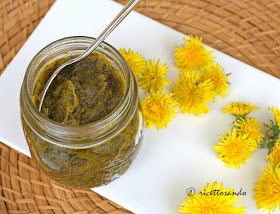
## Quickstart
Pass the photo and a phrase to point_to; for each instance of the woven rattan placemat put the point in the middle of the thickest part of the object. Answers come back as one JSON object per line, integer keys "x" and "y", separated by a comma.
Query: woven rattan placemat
{"x": 245, "y": 29}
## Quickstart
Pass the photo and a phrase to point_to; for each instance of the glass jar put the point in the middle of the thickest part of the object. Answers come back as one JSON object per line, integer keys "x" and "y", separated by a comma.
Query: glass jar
{"x": 87, "y": 155}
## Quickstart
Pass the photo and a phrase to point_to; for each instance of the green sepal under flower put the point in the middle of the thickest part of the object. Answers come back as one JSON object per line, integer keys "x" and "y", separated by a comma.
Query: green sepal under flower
{"x": 240, "y": 117}
{"x": 272, "y": 134}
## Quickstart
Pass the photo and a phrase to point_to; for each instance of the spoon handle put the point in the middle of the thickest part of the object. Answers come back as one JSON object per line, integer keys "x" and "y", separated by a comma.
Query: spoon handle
{"x": 117, "y": 20}
{"x": 114, "y": 23}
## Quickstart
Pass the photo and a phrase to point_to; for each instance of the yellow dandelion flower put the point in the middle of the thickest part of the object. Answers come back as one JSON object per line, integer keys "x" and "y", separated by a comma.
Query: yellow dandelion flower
{"x": 157, "y": 110}
{"x": 219, "y": 79}
{"x": 251, "y": 127}
{"x": 134, "y": 60}
{"x": 153, "y": 78}
{"x": 239, "y": 109}
{"x": 235, "y": 149}
{"x": 276, "y": 114}
{"x": 274, "y": 156}
{"x": 212, "y": 199}
{"x": 267, "y": 191}
{"x": 191, "y": 94}
{"x": 193, "y": 55}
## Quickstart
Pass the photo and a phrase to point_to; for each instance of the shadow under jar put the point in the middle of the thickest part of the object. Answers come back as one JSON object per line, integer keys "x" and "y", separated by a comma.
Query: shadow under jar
{"x": 90, "y": 127}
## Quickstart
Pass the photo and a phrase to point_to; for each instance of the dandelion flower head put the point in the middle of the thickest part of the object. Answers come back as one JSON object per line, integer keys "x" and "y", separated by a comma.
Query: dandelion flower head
{"x": 239, "y": 109}
{"x": 135, "y": 61}
{"x": 192, "y": 94}
{"x": 234, "y": 149}
{"x": 276, "y": 114}
{"x": 274, "y": 156}
{"x": 220, "y": 81}
{"x": 153, "y": 77}
{"x": 251, "y": 127}
{"x": 193, "y": 55}
{"x": 267, "y": 191}
{"x": 158, "y": 110}
{"x": 212, "y": 204}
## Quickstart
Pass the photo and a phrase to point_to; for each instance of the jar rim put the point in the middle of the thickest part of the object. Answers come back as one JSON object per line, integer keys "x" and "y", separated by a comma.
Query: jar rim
{"x": 98, "y": 124}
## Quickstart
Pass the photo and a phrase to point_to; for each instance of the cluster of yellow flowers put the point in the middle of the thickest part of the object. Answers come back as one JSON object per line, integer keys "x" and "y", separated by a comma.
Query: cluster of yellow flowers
{"x": 237, "y": 146}
{"x": 158, "y": 107}
{"x": 267, "y": 191}
{"x": 212, "y": 199}
{"x": 200, "y": 81}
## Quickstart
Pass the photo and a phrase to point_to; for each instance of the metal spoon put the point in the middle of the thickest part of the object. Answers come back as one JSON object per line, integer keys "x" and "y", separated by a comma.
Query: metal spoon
{"x": 114, "y": 23}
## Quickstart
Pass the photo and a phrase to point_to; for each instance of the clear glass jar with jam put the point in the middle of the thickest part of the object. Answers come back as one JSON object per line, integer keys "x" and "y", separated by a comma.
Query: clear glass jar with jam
{"x": 90, "y": 127}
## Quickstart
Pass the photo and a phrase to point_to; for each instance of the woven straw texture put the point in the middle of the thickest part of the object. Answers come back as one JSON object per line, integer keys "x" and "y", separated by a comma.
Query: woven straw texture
{"x": 18, "y": 19}
{"x": 245, "y": 29}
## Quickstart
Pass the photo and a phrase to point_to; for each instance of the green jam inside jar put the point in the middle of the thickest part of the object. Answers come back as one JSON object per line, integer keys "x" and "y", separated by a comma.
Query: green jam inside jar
{"x": 81, "y": 94}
